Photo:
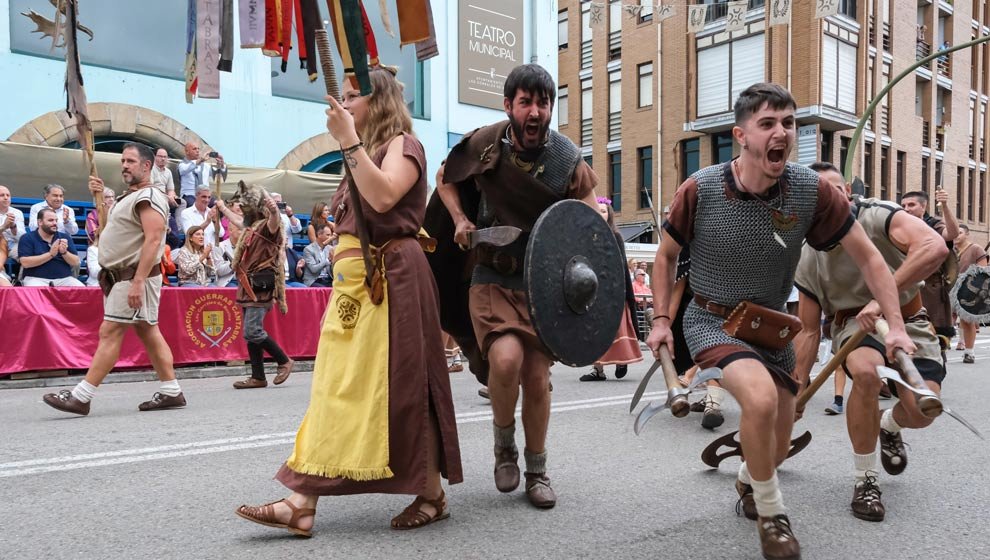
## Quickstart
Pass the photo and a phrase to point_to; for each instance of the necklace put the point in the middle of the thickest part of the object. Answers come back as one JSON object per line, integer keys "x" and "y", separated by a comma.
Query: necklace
{"x": 781, "y": 221}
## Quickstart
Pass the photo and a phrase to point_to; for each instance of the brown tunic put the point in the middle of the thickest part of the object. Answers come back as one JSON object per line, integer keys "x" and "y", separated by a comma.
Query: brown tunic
{"x": 262, "y": 250}
{"x": 935, "y": 292}
{"x": 970, "y": 256}
{"x": 418, "y": 382}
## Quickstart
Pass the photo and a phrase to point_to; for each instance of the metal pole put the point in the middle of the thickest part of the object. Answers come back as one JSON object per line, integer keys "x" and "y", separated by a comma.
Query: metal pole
{"x": 854, "y": 142}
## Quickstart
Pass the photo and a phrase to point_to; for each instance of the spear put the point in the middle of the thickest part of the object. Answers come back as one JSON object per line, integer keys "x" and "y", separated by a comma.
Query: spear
{"x": 76, "y": 101}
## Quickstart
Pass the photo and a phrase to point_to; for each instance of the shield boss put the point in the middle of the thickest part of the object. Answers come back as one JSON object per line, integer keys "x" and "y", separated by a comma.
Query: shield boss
{"x": 575, "y": 278}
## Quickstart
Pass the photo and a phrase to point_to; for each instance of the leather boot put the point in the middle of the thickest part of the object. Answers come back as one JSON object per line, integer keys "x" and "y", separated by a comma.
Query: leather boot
{"x": 777, "y": 540}
{"x": 506, "y": 468}
{"x": 539, "y": 492}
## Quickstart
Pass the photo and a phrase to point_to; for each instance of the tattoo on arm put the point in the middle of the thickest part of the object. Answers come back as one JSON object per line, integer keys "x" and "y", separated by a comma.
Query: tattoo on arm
{"x": 351, "y": 160}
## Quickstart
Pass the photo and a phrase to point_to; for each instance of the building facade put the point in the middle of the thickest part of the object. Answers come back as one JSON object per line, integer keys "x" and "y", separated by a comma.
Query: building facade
{"x": 265, "y": 117}
{"x": 651, "y": 103}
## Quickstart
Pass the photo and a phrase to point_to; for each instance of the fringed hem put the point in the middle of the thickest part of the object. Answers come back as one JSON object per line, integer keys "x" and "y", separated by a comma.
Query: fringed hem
{"x": 350, "y": 473}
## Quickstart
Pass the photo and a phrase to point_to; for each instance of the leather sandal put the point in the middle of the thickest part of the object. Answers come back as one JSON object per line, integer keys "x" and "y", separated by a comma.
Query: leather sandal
{"x": 265, "y": 515}
{"x": 413, "y": 517}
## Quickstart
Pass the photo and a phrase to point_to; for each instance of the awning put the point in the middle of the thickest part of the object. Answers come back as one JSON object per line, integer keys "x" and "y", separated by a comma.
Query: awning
{"x": 633, "y": 231}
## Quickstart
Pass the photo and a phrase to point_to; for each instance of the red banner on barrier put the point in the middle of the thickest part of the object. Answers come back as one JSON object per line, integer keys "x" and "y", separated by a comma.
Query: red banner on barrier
{"x": 58, "y": 328}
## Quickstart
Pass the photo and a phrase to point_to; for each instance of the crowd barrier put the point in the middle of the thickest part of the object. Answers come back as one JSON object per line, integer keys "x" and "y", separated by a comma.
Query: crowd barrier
{"x": 58, "y": 328}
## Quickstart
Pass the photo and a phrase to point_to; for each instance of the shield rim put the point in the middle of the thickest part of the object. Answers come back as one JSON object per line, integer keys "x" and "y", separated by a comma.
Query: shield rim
{"x": 527, "y": 274}
{"x": 954, "y": 295}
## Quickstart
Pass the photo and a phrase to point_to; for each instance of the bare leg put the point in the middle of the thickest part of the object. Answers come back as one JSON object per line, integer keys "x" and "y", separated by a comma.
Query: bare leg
{"x": 840, "y": 383}
{"x": 107, "y": 351}
{"x": 505, "y": 361}
{"x": 158, "y": 350}
{"x": 536, "y": 400}
{"x": 752, "y": 386}
{"x": 786, "y": 402}
{"x": 863, "y": 410}
{"x": 906, "y": 411}
{"x": 968, "y": 333}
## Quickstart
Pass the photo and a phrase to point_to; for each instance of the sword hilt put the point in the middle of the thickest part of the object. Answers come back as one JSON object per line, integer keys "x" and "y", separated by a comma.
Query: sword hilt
{"x": 326, "y": 63}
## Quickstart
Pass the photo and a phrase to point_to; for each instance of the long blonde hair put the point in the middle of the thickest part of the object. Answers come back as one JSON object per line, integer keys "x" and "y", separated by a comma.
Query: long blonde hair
{"x": 388, "y": 116}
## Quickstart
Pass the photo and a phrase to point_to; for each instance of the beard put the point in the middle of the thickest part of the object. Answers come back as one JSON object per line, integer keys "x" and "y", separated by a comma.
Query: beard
{"x": 518, "y": 133}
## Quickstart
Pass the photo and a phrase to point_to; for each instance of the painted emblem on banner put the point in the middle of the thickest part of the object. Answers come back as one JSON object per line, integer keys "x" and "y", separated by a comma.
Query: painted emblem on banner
{"x": 213, "y": 321}
{"x": 348, "y": 309}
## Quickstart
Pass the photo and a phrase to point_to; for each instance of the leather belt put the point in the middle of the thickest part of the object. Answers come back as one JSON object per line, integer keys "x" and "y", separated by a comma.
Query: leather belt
{"x": 722, "y": 311}
{"x": 909, "y": 309}
{"x": 428, "y": 245}
{"x": 125, "y": 274}
{"x": 502, "y": 262}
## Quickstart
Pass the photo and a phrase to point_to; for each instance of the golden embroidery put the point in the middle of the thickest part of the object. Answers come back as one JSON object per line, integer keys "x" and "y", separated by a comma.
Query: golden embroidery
{"x": 348, "y": 309}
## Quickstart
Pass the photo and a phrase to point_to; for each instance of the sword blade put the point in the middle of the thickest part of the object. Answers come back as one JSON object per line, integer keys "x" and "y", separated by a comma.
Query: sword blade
{"x": 498, "y": 236}
{"x": 962, "y": 421}
{"x": 642, "y": 386}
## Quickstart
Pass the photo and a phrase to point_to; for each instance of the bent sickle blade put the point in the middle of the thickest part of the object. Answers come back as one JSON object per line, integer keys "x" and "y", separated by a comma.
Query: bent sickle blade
{"x": 962, "y": 421}
{"x": 498, "y": 236}
{"x": 891, "y": 374}
{"x": 704, "y": 376}
{"x": 642, "y": 386}
{"x": 649, "y": 412}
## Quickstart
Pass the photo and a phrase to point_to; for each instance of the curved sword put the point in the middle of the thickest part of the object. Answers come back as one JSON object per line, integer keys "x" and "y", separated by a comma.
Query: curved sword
{"x": 673, "y": 395}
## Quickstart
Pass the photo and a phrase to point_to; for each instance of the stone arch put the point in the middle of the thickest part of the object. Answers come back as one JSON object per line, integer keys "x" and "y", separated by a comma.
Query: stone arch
{"x": 308, "y": 150}
{"x": 57, "y": 128}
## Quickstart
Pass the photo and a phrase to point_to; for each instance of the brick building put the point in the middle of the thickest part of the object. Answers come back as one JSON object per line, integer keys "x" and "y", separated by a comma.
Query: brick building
{"x": 651, "y": 103}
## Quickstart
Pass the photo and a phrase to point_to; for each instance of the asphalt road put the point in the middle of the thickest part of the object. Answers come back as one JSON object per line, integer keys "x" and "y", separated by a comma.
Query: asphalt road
{"x": 124, "y": 484}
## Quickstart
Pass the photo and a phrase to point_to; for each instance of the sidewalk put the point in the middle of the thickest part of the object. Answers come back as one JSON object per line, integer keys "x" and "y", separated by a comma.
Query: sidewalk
{"x": 192, "y": 372}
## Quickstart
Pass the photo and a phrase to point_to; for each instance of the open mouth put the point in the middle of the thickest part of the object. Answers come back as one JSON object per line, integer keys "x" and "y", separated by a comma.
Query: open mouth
{"x": 775, "y": 155}
{"x": 531, "y": 129}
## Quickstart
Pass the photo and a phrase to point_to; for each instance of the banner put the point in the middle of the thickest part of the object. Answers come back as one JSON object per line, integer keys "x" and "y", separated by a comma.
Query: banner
{"x": 735, "y": 17}
{"x": 252, "y": 16}
{"x": 780, "y": 12}
{"x": 208, "y": 48}
{"x": 696, "y": 17}
{"x": 825, "y": 8}
{"x": 58, "y": 328}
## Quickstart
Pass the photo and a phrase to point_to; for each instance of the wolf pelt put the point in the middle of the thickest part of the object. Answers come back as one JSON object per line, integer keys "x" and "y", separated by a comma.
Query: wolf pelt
{"x": 252, "y": 201}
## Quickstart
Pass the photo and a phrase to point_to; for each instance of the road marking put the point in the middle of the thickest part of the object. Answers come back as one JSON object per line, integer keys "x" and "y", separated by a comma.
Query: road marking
{"x": 124, "y": 456}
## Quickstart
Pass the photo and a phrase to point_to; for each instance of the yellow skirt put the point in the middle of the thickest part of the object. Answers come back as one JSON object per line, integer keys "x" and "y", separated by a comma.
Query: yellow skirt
{"x": 345, "y": 430}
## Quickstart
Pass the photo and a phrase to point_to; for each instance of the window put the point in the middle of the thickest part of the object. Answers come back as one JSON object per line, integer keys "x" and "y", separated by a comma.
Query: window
{"x": 827, "y": 140}
{"x": 938, "y": 178}
{"x": 971, "y": 195}
{"x": 645, "y": 183}
{"x": 868, "y": 167}
{"x": 615, "y": 105}
{"x": 884, "y": 172}
{"x": 983, "y": 197}
{"x": 901, "y": 174}
{"x": 848, "y": 8}
{"x": 587, "y": 110}
{"x": 645, "y": 72}
{"x": 924, "y": 174}
{"x": 645, "y": 11}
{"x": 690, "y": 157}
{"x": 960, "y": 177}
{"x": 615, "y": 179}
{"x": 562, "y": 106}
{"x": 724, "y": 71}
{"x": 586, "y": 22}
{"x": 615, "y": 29}
{"x": 721, "y": 147}
{"x": 838, "y": 74}
{"x": 562, "y": 29}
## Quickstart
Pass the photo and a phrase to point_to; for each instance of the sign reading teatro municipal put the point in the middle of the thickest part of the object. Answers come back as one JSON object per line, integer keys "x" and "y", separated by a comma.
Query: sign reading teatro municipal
{"x": 490, "y": 46}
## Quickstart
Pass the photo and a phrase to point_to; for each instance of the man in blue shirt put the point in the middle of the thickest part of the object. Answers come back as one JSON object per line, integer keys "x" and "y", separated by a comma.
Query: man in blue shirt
{"x": 48, "y": 255}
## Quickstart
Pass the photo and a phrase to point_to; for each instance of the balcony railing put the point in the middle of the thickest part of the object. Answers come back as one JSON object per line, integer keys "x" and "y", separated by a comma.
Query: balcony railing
{"x": 886, "y": 37}
{"x": 614, "y": 126}
{"x": 943, "y": 67}
{"x": 719, "y": 10}
{"x": 983, "y": 151}
{"x": 872, "y": 32}
{"x": 885, "y": 120}
{"x": 972, "y": 148}
{"x": 926, "y": 134}
{"x": 922, "y": 50}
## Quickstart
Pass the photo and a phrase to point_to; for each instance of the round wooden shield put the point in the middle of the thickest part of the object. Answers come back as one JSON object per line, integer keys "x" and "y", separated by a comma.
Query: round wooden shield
{"x": 575, "y": 278}
{"x": 971, "y": 295}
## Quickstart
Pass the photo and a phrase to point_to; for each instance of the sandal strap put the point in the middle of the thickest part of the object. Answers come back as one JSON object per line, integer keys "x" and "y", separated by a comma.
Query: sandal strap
{"x": 414, "y": 515}
{"x": 297, "y": 512}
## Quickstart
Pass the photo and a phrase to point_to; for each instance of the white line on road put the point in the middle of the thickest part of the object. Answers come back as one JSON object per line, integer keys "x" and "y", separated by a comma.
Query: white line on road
{"x": 124, "y": 456}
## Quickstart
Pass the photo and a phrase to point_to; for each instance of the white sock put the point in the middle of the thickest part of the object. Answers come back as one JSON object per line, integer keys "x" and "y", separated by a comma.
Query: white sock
{"x": 968, "y": 352}
{"x": 716, "y": 395}
{"x": 170, "y": 388}
{"x": 769, "y": 501}
{"x": 863, "y": 464}
{"x": 84, "y": 391}
{"x": 887, "y": 422}
{"x": 744, "y": 476}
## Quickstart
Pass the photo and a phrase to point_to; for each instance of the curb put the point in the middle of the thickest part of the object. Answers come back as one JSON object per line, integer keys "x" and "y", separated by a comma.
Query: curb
{"x": 148, "y": 375}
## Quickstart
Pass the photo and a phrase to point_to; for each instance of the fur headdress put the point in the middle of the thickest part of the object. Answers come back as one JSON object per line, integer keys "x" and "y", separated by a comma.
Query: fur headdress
{"x": 252, "y": 200}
